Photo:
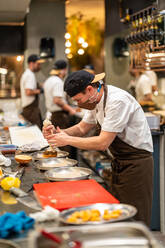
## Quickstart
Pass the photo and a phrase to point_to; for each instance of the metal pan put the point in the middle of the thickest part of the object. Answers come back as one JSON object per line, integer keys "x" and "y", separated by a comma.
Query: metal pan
{"x": 40, "y": 155}
{"x": 68, "y": 174}
{"x": 128, "y": 212}
{"x": 50, "y": 163}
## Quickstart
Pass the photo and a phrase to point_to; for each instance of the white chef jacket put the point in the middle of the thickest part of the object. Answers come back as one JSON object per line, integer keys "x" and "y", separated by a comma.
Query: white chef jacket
{"x": 28, "y": 81}
{"x": 54, "y": 87}
{"x": 123, "y": 115}
{"x": 153, "y": 77}
{"x": 143, "y": 87}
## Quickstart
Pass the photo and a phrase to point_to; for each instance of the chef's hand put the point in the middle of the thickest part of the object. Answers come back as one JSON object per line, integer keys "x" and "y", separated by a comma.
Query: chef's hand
{"x": 60, "y": 138}
{"x": 72, "y": 111}
{"x": 49, "y": 130}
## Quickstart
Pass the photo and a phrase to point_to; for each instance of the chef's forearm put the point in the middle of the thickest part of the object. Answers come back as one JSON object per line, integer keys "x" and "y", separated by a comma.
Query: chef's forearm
{"x": 89, "y": 143}
{"x": 79, "y": 129}
{"x": 74, "y": 131}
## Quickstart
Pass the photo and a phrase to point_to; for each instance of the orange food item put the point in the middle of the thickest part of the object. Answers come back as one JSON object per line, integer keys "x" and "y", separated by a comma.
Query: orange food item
{"x": 93, "y": 215}
{"x": 23, "y": 159}
{"x": 49, "y": 153}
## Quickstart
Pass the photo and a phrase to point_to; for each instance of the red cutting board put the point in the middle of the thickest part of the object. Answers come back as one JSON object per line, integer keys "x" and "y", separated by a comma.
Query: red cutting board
{"x": 71, "y": 194}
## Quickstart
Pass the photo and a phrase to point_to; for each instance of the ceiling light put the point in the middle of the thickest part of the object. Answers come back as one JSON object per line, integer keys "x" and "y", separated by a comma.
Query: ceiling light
{"x": 84, "y": 44}
{"x": 81, "y": 40}
{"x": 80, "y": 51}
{"x": 19, "y": 58}
{"x": 67, "y": 50}
{"x": 68, "y": 43}
{"x": 70, "y": 56}
{"x": 67, "y": 36}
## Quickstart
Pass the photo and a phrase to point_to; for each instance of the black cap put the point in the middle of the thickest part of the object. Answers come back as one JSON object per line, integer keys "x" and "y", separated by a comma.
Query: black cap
{"x": 33, "y": 58}
{"x": 77, "y": 81}
{"x": 60, "y": 64}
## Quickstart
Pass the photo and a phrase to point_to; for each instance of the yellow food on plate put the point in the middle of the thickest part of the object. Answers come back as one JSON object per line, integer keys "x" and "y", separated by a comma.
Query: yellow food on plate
{"x": 23, "y": 159}
{"x": 93, "y": 215}
{"x": 111, "y": 214}
{"x": 9, "y": 182}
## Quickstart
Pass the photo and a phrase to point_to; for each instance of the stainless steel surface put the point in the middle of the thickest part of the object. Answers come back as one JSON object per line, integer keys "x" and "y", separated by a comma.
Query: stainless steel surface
{"x": 8, "y": 244}
{"x": 68, "y": 174}
{"x": 128, "y": 212}
{"x": 47, "y": 164}
{"x": 25, "y": 199}
{"x": 60, "y": 154}
{"x": 114, "y": 235}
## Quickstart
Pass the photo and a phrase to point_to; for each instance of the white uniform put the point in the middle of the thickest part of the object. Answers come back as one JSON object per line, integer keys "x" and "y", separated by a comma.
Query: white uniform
{"x": 28, "y": 81}
{"x": 153, "y": 77}
{"x": 123, "y": 115}
{"x": 143, "y": 87}
{"x": 54, "y": 87}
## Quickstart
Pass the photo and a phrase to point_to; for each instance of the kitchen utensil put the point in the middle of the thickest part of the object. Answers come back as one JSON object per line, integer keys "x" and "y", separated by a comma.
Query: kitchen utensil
{"x": 40, "y": 155}
{"x": 47, "y": 164}
{"x": 25, "y": 199}
{"x": 114, "y": 235}
{"x": 23, "y": 158}
{"x": 128, "y": 212}
{"x": 68, "y": 174}
{"x": 64, "y": 243}
{"x": 68, "y": 194}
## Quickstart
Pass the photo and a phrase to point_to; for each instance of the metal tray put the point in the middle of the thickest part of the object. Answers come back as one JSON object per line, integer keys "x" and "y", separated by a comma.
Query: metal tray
{"x": 128, "y": 212}
{"x": 116, "y": 235}
{"x": 68, "y": 174}
{"x": 60, "y": 154}
{"x": 8, "y": 244}
{"x": 47, "y": 164}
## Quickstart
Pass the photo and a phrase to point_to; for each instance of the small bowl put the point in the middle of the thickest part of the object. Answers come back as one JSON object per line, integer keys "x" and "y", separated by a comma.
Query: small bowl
{"x": 23, "y": 158}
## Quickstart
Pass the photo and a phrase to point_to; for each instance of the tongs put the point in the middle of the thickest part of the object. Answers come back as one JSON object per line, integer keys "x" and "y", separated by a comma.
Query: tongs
{"x": 64, "y": 243}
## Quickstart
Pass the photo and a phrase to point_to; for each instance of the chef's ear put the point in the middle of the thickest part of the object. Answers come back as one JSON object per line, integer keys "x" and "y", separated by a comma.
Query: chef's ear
{"x": 89, "y": 88}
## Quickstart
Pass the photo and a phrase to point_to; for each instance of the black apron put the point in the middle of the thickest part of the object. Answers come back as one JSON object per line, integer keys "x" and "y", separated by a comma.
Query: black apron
{"x": 32, "y": 113}
{"x": 132, "y": 176}
{"x": 63, "y": 120}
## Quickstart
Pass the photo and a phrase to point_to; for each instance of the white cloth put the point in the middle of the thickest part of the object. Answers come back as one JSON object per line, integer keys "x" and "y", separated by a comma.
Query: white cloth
{"x": 28, "y": 81}
{"x": 53, "y": 87}
{"x": 153, "y": 77}
{"x": 143, "y": 87}
{"x": 123, "y": 115}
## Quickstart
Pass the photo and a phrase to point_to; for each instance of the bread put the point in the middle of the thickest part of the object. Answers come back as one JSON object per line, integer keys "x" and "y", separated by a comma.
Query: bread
{"x": 23, "y": 159}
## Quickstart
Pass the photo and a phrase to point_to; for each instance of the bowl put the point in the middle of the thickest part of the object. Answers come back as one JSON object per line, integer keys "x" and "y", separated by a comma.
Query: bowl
{"x": 23, "y": 158}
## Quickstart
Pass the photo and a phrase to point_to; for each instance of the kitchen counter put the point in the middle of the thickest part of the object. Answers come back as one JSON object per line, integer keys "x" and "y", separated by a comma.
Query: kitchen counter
{"x": 31, "y": 176}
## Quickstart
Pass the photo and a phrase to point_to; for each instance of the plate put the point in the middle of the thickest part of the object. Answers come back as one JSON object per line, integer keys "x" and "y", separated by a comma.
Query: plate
{"x": 40, "y": 155}
{"x": 128, "y": 212}
{"x": 47, "y": 164}
{"x": 68, "y": 174}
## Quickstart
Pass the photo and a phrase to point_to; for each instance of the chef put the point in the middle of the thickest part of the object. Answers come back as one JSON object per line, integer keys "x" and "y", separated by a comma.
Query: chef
{"x": 55, "y": 97}
{"x": 124, "y": 131}
{"x": 146, "y": 86}
{"x": 30, "y": 91}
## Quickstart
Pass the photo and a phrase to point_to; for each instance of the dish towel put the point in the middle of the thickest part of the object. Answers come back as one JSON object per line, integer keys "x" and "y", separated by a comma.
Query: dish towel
{"x": 14, "y": 223}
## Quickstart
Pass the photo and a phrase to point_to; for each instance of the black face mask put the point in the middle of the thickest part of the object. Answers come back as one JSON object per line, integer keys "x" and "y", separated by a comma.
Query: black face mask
{"x": 87, "y": 105}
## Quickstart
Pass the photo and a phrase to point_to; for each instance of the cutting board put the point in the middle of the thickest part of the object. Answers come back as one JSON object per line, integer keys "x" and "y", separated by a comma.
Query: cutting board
{"x": 69, "y": 194}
